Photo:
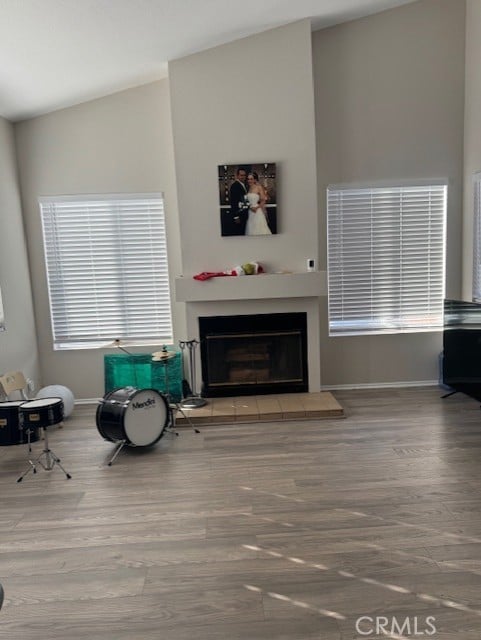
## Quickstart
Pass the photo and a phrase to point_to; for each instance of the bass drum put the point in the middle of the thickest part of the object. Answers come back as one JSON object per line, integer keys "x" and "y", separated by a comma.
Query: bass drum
{"x": 136, "y": 416}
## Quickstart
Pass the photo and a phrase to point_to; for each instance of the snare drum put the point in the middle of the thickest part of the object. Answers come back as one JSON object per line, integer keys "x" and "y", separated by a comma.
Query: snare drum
{"x": 10, "y": 432}
{"x": 137, "y": 417}
{"x": 41, "y": 413}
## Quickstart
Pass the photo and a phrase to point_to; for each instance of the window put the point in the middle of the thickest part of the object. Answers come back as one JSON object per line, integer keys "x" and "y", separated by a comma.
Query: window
{"x": 477, "y": 238}
{"x": 386, "y": 257}
{"x": 106, "y": 259}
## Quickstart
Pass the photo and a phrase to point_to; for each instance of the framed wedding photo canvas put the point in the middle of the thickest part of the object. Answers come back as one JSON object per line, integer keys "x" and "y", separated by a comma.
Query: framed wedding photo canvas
{"x": 248, "y": 199}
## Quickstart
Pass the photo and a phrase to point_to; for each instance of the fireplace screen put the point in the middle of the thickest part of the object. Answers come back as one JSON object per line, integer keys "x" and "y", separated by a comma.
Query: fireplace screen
{"x": 253, "y": 354}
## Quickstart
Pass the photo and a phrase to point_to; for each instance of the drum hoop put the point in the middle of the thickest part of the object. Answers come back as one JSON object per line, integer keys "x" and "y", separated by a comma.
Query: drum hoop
{"x": 127, "y": 401}
{"x": 55, "y": 402}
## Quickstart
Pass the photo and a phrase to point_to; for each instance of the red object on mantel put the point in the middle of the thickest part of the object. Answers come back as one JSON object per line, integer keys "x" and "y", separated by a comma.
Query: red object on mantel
{"x": 206, "y": 275}
{"x": 247, "y": 269}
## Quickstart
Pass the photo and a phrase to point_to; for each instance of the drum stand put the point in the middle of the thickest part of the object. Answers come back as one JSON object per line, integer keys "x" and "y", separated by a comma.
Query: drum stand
{"x": 173, "y": 408}
{"x": 47, "y": 454}
{"x": 173, "y": 405}
{"x": 120, "y": 445}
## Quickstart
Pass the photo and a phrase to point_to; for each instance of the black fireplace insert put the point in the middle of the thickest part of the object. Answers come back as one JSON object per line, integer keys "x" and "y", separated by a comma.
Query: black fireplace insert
{"x": 254, "y": 354}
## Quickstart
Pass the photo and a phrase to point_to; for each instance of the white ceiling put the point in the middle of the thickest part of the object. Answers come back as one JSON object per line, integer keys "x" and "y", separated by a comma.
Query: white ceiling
{"x": 56, "y": 53}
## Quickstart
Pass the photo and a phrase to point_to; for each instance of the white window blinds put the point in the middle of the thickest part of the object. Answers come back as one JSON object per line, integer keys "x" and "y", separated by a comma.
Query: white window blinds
{"x": 106, "y": 259}
{"x": 477, "y": 238}
{"x": 386, "y": 257}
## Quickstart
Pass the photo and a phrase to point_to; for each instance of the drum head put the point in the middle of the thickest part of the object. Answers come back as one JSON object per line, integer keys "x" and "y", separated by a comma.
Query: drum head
{"x": 145, "y": 417}
{"x": 41, "y": 403}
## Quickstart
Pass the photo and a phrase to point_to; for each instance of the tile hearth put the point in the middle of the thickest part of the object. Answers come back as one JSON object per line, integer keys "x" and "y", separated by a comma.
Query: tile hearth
{"x": 288, "y": 406}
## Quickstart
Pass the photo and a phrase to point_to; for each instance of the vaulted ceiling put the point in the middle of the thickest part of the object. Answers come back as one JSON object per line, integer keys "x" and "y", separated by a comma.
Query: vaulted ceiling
{"x": 56, "y": 53}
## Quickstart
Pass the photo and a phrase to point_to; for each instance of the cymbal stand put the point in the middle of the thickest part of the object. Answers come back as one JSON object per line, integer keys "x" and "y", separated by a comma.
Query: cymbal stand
{"x": 194, "y": 401}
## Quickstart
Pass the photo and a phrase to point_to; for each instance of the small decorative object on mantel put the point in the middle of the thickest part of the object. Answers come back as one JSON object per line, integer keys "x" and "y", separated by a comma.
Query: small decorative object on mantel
{"x": 247, "y": 269}
{"x": 248, "y": 199}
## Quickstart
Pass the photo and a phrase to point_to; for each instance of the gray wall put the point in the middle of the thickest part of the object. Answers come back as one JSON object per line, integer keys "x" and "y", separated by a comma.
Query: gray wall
{"x": 472, "y": 135}
{"x": 389, "y": 105}
{"x": 251, "y": 100}
{"x": 18, "y": 344}
{"x": 121, "y": 143}
{"x": 247, "y": 101}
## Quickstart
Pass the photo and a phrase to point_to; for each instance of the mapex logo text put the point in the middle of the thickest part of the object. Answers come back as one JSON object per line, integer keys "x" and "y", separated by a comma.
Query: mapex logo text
{"x": 143, "y": 405}
{"x": 368, "y": 626}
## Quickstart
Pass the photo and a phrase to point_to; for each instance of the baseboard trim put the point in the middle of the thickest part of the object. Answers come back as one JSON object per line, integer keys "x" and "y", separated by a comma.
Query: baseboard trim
{"x": 87, "y": 401}
{"x": 381, "y": 385}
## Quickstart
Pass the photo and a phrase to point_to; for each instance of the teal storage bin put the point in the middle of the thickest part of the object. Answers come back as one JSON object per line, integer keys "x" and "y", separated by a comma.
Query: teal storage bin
{"x": 122, "y": 370}
{"x": 138, "y": 370}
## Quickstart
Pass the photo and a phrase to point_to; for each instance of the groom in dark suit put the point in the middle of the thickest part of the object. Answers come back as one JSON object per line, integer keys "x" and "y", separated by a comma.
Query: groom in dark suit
{"x": 237, "y": 193}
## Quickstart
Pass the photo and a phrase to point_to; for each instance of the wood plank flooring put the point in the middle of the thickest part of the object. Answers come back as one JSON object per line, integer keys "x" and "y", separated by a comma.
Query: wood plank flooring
{"x": 277, "y": 530}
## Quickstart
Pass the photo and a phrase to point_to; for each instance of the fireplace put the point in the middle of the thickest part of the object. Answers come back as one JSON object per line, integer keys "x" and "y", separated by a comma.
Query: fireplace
{"x": 254, "y": 354}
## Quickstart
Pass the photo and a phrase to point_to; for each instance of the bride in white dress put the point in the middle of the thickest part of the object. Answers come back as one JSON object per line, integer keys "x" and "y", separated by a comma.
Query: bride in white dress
{"x": 256, "y": 195}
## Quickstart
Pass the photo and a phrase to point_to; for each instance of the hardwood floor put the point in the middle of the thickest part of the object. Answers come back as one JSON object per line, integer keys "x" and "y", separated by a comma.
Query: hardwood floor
{"x": 279, "y": 531}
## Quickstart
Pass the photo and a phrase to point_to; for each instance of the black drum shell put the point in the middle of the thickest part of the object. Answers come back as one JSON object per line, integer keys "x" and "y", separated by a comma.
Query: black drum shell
{"x": 110, "y": 413}
{"x": 109, "y": 419}
{"x": 10, "y": 432}
{"x": 41, "y": 416}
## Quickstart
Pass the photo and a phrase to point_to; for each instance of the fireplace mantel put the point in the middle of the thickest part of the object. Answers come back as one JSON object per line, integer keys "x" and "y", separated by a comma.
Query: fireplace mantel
{"x": 309, "y": 284}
